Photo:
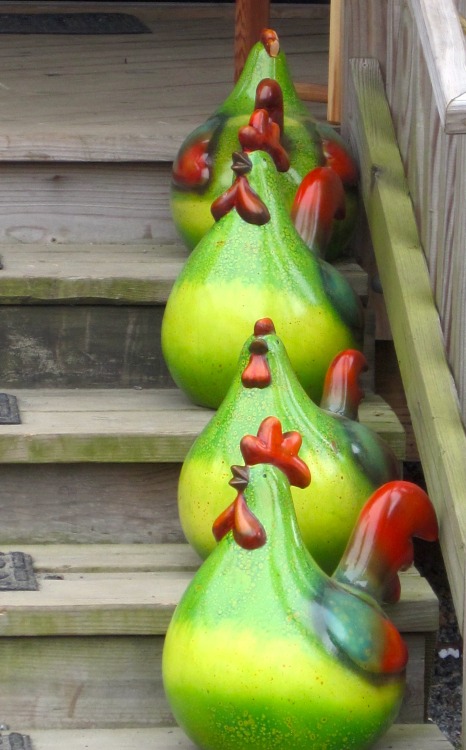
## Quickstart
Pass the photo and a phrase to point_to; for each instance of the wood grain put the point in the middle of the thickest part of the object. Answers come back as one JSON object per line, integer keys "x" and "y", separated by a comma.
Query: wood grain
{"x": 132, "y": 273}
{"x": 122, "y": 98}
{"x": 129, "y": 503}
{"x": 112, "y": 425}
{"x": 441, "y": 36}
{"x": 114, "y": 601}
{"x": 429, "y": 387}
{"x": 251, "y": 16}
{"x": 434, "y": 165}
{"x": 398, "y": 737}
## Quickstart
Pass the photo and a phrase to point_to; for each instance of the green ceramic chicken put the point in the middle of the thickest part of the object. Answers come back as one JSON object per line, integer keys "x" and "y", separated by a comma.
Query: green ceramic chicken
{"x": 252, "y": 264}
{"x": 201, "y": 171}
{"x": 349, "y": 461}
{"x": 265, "y": 651}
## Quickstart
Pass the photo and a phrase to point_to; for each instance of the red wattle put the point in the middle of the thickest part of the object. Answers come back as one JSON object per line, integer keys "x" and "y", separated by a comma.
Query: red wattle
{"x": 257, "y": 372}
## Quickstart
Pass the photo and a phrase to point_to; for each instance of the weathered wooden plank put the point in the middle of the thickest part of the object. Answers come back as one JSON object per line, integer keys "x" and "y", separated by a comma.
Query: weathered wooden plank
{"x": 398, "y": 737}
{"x": 112, "y": 600}
{"x": 142, "y": 558}
{"x": 442, "y": 40}
{"x": 83, "y": 682}
{"x": 122, "y": 98}
{"x": 429, "y": 387}
{"x": 116, "y": 203}
{"x": 124, "y": 503}
{"x": 364, "y": 34}
{"x": 250, "y": 19}
{"x": 98, "y": 558}
{"x": 67, "y": 346}
{"x": 61, "y": 682}
{"x": 103, "y": 273}
{"x": 111, "y": 425}
{"x": 429, "y": 156}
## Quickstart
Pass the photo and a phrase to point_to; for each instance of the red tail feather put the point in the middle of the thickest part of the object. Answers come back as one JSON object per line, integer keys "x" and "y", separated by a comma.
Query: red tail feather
{"x": 342, "y": 394}
{"x": 319, "y": 200}
{"x": 381, "y": 543}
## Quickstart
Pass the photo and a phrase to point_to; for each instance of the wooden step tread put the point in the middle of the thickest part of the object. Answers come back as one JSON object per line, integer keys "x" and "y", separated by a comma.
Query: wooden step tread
{"x": 123, "y": 590}
{"x": 123, "y": 98}
{"x": 104, "y": 273}
{"x": 398, "y": 737}
{"x": 125, "y": 425}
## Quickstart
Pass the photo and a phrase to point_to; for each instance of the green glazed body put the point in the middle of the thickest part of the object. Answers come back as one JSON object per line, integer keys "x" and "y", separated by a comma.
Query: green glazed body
{"x": 191, "y": 207}
{"x": 241, "y": 272}
{"x": 346, "y": 459}
{"x": 246, "y": 662}
{"x": 302, "y": 139}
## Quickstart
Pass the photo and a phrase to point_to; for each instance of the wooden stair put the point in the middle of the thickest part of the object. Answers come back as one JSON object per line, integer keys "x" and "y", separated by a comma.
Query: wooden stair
{"x": 89, "y": 477}
{"x": 399, "y": 737}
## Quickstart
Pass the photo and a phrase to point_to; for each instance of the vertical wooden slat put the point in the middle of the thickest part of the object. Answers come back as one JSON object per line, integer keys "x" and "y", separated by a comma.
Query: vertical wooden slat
{"x": 457, "y": 343}
{"x": 365, "y": 35}
{"x": 335, "y": 62}
{"x": 251, "y": 16}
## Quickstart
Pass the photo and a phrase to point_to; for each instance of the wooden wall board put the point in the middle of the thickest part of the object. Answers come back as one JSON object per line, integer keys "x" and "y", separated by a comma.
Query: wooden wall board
{"x": 417, "y": 333}
{"x": 442, "y": 40}
{"x": 398, "y": 737}
{"x": 112, "y": 425}
{"x": 430, "y": 158}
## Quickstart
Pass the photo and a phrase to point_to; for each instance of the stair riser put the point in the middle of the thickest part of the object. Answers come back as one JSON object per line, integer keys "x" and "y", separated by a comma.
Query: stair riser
{"x": 85, "y": 202}
{"x": 113, "y": 682}
{"x": 81, "y": 346}
{"x": 117, "y": 503}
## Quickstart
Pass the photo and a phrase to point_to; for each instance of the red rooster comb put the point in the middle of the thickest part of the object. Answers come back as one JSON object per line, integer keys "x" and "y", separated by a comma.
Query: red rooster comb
{"x": 269, "y": 96}
{"x": 270, "y": 446}
{"x": 263, "y": 134}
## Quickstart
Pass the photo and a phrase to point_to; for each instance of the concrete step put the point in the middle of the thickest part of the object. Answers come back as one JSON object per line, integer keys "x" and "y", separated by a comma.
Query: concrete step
{"x": 84, "y": 649}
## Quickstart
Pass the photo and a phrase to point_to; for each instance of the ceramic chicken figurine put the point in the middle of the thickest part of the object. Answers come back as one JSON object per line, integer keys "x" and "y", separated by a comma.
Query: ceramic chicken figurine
{"x": 201, "y": 170}
{"x": 349, "y": 461}
{"x": 252, "y": 264}
{"x": 264, "y": 649}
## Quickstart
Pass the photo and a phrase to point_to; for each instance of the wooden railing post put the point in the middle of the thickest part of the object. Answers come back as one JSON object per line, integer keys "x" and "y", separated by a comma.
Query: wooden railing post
{"x": 251, "y": 16}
